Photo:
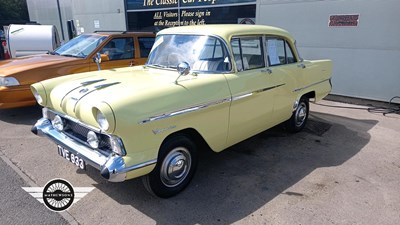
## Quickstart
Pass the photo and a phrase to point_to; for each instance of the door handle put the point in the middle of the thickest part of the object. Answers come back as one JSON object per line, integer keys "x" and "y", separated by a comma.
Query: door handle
{"x": 301, "y": 66}
{"x": 269, "y": 71}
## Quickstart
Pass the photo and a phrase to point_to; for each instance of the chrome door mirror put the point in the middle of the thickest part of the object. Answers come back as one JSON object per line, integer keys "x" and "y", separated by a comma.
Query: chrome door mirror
{"x": 97, "y": 60}
{"x": 183, "y": 69}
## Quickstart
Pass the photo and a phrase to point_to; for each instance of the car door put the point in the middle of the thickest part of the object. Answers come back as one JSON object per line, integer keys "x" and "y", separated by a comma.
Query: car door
{"x": 253, "y": 88}
{"x": 120, "y": 51}
{"x": 284, "y": 69}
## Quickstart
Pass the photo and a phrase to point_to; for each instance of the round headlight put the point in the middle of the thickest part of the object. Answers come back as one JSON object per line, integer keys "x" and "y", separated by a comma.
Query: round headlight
{"x": 58, "y": 123}
{"x": 92, "y": 139}
{"x": 39, "y": 93}
{"x": 102, "y": 121}
{"x": 38, "y": 98}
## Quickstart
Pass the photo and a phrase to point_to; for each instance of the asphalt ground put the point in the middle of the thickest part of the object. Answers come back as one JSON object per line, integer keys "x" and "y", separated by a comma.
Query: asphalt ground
{"x": 344, "y": 168}
{"x": 17, "y": 206}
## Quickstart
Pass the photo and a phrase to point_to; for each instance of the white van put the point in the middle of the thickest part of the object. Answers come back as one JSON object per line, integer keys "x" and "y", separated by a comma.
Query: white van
{"x": 31, "y": 39}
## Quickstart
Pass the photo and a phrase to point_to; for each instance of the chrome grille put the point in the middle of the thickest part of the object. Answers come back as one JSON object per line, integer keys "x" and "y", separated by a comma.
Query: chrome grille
{"x": 79, "y": 132}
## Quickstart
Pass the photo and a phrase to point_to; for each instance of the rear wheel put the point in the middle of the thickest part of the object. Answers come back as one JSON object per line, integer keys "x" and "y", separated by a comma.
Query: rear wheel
{"x": 299, "y": 117}
{"x": 175, "y": 168}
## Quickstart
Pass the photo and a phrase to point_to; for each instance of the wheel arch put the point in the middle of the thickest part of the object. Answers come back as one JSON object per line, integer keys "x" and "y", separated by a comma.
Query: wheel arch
{"x": 192, "y": 134}
{"x": 309, "y": 95}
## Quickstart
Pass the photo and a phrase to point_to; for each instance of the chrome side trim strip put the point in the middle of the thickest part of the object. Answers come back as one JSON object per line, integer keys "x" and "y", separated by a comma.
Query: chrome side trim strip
{"x": 245, "y": 95}
{"x": 138, "y": 166}
{"x": 300, "y": 89}
{"x": 248, "y": 94}
{"x": 183, "y": 111}
{"x": 205, "y": 105}
{"x": 268, "y": 88}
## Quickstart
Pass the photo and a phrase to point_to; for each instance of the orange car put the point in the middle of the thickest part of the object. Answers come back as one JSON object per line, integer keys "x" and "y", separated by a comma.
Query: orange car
{"x": 120, "y": 49}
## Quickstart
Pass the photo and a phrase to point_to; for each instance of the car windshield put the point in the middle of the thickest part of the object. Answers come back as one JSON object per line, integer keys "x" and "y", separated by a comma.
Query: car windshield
{"x": 203, "y": 53}
{"x": 80, "y": 46}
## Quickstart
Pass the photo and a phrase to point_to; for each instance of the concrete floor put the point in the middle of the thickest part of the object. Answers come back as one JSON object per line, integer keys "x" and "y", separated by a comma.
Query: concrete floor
{"x": 344, "y": 168}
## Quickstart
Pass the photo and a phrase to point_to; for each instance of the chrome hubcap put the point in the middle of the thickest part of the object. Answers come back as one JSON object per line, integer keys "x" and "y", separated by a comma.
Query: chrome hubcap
{"x": 175, "y": 167}
{"x": 301, "y": 114}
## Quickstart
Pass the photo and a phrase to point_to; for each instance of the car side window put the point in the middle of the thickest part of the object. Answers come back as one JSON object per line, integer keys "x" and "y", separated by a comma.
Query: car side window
{"x": 212, "y": 50}
{"x": 237, "y": 55}
{"x": 289, "y": 54}
{"x": 248, "y": 53}
{"x": 145, "y": 43}
{"x": 119, "y": 48}
{"x": 279, "y": 52}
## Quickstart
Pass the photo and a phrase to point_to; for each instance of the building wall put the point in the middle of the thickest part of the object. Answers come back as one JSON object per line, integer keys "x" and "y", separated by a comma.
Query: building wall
{"x": 46, "y": 12}
{"x": 92, "y": 15}
{"x": 365, "y": 57}
{"x": 88, "y": 15}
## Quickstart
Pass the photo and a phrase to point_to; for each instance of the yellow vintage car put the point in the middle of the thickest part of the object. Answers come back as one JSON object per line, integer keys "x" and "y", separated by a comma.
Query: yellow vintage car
{"x": 202, "y": 86}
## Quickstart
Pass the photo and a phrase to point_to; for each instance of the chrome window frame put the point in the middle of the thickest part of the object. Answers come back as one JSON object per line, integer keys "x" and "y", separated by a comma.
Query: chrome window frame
{"x": 229, "y": 54}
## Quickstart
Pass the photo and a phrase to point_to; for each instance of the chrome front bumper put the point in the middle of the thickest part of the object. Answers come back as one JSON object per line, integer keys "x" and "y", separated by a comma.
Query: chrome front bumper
{"x": 112, "y": 167}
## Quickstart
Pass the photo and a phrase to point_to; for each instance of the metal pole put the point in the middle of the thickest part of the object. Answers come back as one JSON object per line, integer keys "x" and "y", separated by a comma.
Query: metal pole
{"x": 59, "y": 15}
{"x": 179, "y": 13}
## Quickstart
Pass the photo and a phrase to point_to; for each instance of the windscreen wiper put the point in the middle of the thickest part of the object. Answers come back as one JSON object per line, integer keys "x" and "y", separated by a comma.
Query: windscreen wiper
{"x": 52, "y": 53}
{"x": 156, "y": 65}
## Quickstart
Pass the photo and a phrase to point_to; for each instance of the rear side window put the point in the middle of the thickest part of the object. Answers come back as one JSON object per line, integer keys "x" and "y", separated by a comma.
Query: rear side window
{"x": 248, "y": 53}
{"x": 279, "y": 52}
{"x": 145, "y": 43}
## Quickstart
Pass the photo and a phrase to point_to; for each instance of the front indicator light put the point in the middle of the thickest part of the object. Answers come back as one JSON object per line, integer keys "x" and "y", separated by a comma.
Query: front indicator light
{"x": 117, "y": 146}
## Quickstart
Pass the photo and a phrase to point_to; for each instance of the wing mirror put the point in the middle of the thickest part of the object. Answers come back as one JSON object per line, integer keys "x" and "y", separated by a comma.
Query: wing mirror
{"x": 183, "y": 69}
{"x": 100, "y": 58}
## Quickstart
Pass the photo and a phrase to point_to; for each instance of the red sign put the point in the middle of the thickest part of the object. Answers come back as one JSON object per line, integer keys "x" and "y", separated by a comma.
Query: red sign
{"x": 350, "y": 20}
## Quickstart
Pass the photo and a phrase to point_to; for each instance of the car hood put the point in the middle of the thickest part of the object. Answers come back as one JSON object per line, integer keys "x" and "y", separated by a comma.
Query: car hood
{"x": 78, "y": 95}
{"x": 23, "y": 64}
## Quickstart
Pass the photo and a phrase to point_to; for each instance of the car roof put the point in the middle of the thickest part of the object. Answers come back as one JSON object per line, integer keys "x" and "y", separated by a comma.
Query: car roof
{"x": 113, "y": 33}
{"x": 227, "y": 31}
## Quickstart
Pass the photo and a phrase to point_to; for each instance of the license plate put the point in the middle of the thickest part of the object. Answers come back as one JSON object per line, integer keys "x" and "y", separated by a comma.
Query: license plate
{"x": 76, "y": 160}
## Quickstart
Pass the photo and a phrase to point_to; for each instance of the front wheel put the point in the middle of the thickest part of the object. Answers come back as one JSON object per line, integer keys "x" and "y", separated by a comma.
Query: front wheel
{"x": 299, "y": 117}
{"x": 175, "y": 168}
